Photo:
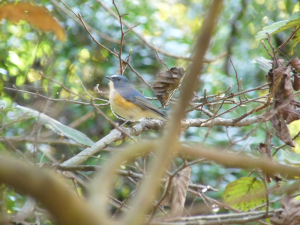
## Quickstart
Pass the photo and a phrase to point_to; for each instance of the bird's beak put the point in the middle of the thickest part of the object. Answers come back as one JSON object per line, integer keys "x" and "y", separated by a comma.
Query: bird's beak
{"x": 108, "y": 77}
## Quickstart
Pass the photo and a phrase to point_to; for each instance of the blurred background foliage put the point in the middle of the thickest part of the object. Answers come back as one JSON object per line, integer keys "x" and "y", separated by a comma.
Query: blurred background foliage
{"x": 170, "y": 25}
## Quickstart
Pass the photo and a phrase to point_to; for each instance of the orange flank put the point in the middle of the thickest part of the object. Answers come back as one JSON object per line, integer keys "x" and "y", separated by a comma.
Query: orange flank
{"x": 123, "y": 103}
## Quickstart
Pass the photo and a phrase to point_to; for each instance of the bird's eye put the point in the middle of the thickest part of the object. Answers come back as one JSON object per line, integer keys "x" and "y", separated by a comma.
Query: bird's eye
{"x": 118, "y": 78}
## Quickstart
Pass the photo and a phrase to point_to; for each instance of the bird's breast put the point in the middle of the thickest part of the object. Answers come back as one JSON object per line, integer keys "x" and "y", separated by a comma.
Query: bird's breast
{"x": 123, "y": 107}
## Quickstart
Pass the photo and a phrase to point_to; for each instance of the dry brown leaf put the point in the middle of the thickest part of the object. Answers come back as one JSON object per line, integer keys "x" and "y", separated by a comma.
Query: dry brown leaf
{"x": 282, "y": 131}
{"x": 278, "y": 74}
{"x": 269, "y": 79}
{"x": 295, "y": 62}
{"x": 282, "y": 83}
{"x": 282, "y": 90}
{"x": 264, "y": 150}
{"x": 296, "y": 83}
{"x": 288, "y": 90}
{"x": 166, "y": 84}
{"x": 177, "y": 194}
{"x": 35, "y": 15}
{"x": 290, "y": 214}
{"x": 290, "y": 113}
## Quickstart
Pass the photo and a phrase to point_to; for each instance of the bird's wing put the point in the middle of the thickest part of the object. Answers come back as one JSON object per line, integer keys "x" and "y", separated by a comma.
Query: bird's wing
{"x": 136, "y": 97}
{"x": 148, "y": 105}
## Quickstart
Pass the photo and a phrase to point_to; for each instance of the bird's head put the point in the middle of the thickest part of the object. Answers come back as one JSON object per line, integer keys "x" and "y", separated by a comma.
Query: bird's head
{"x": 118, "y": 81}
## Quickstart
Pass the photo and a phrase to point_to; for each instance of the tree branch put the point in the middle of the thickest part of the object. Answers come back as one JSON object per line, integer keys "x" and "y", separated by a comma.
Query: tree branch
{"x": 52, "y": 192}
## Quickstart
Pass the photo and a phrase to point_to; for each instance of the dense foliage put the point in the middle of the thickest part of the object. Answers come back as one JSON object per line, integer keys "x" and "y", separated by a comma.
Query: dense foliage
{"x": 54, "y": 101}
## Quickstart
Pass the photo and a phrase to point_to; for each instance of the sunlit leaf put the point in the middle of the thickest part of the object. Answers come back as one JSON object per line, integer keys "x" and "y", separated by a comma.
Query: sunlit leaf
{"x": 296, "y": 38}
{"x": 57, "y": 127}
{"x": 280, "y": 26}
{"x": 35, "y": 15}
{"x": 245, "y": 193}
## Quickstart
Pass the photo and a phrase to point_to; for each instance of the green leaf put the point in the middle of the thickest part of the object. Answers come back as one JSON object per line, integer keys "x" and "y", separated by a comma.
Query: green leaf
{"x": 245, "y": 193}
{"x": 1, "y": 87}
{"x": 290, "y": 156}
{"x": 58, "y": 127}
{"x": 296, "y": 38}
{"x": 280, "y": 26}
{"x": 264, "y": 63}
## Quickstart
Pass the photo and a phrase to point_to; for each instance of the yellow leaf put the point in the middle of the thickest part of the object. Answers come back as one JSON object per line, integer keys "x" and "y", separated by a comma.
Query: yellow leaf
{"x": 35, "y": 15}
{"x": 245, "y": 193}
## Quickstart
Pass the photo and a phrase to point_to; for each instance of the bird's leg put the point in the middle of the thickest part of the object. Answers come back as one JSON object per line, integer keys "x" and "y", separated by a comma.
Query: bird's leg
{"x": 134, "y": 123}
{"x": 124, "y": 123}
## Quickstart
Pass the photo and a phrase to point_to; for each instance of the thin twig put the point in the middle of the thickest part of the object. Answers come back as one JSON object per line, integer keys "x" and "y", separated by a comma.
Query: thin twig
{"x": 122, "y": 35}
{"x": 168, "y": 69}
{"x": 290, "y": 38}
{"x": 103, "y": 46}
{"x": 237, "y": 79}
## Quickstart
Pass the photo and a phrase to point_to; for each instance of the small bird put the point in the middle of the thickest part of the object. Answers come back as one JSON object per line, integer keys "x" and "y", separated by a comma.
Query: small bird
{"x": 129, "y": 103}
